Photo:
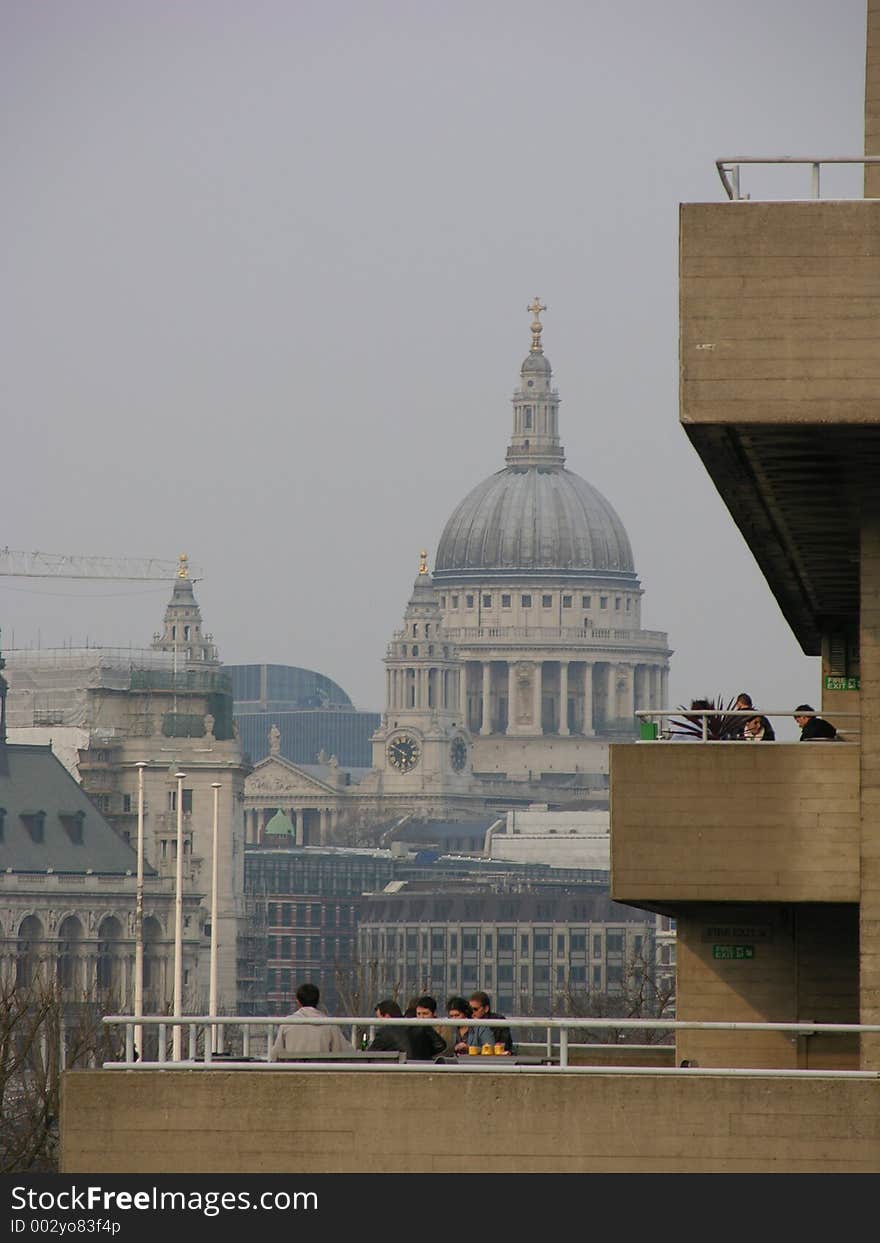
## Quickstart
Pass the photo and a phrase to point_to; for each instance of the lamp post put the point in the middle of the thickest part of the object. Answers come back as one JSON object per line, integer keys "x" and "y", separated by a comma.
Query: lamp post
{"x": 212, "y": 988}
{"x": 178, "y": 927}
{"x": 139, "y": 918}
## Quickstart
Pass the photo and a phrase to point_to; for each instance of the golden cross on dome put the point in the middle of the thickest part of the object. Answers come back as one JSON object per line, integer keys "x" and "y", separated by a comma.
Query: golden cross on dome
{"x": 183, "y": 567}
{"x": 423, "y": 562}
{"x": 537, "y": 327}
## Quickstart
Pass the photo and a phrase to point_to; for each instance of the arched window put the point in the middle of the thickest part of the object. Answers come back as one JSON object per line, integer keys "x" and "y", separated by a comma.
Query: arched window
{"x": 109, "y": 952}
{"x": 29, "y": 950}
{"x": 69, "y": 950}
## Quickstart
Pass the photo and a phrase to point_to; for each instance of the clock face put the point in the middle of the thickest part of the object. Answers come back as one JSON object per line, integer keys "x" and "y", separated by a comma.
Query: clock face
{"x": 403, "y": 752}
{"x": 458, "y": 753}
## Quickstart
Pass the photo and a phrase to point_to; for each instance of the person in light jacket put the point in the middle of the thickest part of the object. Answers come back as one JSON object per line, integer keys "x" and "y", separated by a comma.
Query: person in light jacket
{"x": 298, "y": 1035}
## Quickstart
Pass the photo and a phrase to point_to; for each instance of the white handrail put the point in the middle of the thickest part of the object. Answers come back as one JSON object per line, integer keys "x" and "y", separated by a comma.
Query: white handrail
{"x": 561, "y": 1025}
{"x": 728, "y": 169}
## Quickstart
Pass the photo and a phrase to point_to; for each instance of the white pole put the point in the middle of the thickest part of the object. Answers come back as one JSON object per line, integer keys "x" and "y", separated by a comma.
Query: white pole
{"x": 212, "y": 990}
{"x": 139, "y": 918}
{"x": 178, "y": 927}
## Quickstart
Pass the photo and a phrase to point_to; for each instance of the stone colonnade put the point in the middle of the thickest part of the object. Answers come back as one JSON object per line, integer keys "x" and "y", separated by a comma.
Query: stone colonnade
{"x": 562, "y": 696}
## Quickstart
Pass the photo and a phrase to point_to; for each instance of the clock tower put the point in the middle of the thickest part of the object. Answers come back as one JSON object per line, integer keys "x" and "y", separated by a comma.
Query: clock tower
{"x": 422, "y": 746}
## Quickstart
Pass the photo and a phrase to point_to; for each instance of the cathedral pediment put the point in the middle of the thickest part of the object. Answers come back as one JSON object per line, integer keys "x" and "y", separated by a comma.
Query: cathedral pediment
{"x": 277, "y": 776}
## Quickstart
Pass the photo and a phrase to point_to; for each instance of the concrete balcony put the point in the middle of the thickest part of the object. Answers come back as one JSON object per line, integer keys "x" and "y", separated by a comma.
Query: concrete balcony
{"x": 734, "y": 822}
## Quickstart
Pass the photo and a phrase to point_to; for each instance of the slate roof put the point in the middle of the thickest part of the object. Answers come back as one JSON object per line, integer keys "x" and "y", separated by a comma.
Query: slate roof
{"x": 75, "y": 836}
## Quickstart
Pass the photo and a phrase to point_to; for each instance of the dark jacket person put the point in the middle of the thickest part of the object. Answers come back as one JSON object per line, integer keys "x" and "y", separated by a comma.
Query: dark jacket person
{"x": 813, "y": 728}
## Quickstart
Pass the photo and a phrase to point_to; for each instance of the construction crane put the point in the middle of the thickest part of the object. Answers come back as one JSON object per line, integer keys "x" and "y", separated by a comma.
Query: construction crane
{"x": 61, "y": 565}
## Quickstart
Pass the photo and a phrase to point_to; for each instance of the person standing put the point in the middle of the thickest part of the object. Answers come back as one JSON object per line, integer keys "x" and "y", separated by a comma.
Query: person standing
{"x": 298, "y": 1035}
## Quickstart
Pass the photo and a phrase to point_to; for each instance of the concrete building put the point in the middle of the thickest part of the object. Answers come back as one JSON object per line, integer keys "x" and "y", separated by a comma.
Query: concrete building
{"x": 769, "y": 857}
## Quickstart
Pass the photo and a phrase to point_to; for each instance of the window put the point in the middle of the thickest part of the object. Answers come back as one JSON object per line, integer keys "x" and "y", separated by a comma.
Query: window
{"x": 597, "y": 977}
{"x": 524, "y": 977}
{"x": 126, "y": 802}
{"x": 469, "y": 602}
{"x": 617, "y": 603}
{"x": 487, "y": 602}
{"x": 577, "y": 943}
{"x": 597, "y": 946}
{"x": 505, "y": 943}
{"x": 628, "y": 604}
{"x": 614, "y": 942}
{"x": 470, "y": 941}
{"x": 438, "y": 942}
{"x": 524, "y": 944}
{"x": 443, "y": 602}
{"x": 546, "y": 602}
{"x": 542, "y": 942}
{"x": 566, "y": 602}
{"x": 527, "y": 417}
{"x": 560, "y": 944}
{"x": 186, "y": 632}
{"x": 455, "y": 602}
{"x": 542, "y": 975}
{"x": 187, "y": 801}
{"x": 603, "y": 602}
{"x": 578, "y": 975}
{"x": 505, "y": 602}
{"x": 487, "y": 944}
{"x": 505, "y": 973}
{"x": 526, "y": 602}
{"x": 560, "y": 977}
{"x": 586, "y": 602}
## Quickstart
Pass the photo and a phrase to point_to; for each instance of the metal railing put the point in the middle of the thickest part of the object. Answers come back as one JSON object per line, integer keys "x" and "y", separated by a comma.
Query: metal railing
{"x": 729, "y": 169}
{"x": 702, "y": 715}
{"x": 202, "y": 1047}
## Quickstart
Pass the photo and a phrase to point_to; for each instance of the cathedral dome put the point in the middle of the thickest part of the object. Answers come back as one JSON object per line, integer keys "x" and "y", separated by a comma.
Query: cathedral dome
{"x": 535, "y": 519}
{"x": 532, "y": 523}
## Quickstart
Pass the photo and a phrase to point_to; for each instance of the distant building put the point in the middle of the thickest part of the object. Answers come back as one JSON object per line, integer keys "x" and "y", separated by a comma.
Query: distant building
{"x": 311, "y": 712}
{"x": 68, "y": 890}
{"x": 169, "y": 706}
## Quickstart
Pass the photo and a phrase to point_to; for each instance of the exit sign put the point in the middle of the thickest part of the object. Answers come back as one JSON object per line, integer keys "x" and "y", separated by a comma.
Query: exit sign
{"x": 731, "y": 952}
{"x": 841, "y": 684}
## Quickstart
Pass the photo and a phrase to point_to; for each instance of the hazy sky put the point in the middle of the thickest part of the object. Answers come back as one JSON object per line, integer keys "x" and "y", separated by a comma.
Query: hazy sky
{"x": 266, "y": 270}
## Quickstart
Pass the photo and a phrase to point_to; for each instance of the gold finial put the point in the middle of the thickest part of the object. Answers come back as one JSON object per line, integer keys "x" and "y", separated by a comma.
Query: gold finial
{"x": 423, "y": 562}
{"x": 537, "y": 327}
{"x": 183, "y": 567}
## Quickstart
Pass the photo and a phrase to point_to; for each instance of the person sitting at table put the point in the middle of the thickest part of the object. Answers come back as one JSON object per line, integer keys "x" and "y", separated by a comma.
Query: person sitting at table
{"x": 758, "y": 729}
{"x": 481, "y": 1008}
{"x": 297, "y": 1035}
{"x": 390, "y": 1039}
{"x": 427, "y": 1043}
{"x": 456, "y": 1036}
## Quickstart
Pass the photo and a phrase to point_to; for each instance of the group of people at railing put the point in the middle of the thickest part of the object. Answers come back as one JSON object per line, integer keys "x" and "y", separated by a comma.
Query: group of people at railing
{"x": 419, "y": 1043}
{"x": 741, "y": 721}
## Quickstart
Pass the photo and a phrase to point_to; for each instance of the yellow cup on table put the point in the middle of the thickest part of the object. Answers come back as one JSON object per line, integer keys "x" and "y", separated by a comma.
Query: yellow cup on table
{"x": 472, "y": 1048}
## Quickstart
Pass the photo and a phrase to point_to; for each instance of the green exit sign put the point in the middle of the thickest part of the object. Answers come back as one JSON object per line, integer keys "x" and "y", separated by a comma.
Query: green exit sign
{"x": 731, "y": 952}
{"x": 841, "y": 684}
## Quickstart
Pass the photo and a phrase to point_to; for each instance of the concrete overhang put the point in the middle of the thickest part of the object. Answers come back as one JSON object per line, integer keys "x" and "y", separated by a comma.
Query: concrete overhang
{"x": 780, "y": 387}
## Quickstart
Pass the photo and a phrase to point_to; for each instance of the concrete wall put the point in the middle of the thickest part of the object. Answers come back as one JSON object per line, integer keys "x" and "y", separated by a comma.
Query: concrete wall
{"x": 332, "y": 1122}
{"x": 735, "y": 822}
{"x": 780, "y": 312}
{"x": 872, "y": 99}
{"x": 804, "y": 966}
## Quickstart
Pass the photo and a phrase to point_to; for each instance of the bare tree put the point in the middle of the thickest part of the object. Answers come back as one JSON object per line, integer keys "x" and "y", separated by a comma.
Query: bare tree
{"x": 43, "y": 1030}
